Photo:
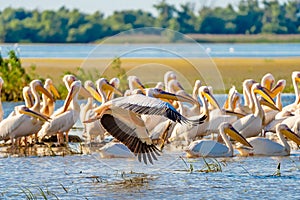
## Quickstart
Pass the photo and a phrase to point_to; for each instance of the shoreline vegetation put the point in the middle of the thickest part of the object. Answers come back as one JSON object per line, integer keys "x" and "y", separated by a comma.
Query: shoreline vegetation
{"x": 65, "y": 25}
{"x": 139, "y": 38}
{"x": 244, "y": 38}
{"x": 231, "y": 70}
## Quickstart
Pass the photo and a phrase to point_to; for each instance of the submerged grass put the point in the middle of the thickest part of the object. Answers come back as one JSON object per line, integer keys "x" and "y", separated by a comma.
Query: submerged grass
{"x": 210, "y": 165}
{"x": 30, "y": 195}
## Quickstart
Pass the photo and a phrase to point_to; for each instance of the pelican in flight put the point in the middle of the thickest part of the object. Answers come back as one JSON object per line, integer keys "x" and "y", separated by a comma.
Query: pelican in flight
{"x": 121, "y": 118}
{"x": 252, "y": 124}
{"x": 266, "y": 147}
{"x": 211, "y": 148}
{"x": 94, "y": 129}
{"x": 15, "y": 126}
{"x": 62, "y": 122}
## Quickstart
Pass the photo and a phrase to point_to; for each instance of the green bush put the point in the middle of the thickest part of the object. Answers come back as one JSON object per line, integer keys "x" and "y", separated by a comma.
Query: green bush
{"x": 14, "y": 77}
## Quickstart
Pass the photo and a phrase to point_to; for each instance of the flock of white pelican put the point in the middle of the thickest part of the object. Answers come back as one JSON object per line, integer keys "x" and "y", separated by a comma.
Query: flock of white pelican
{"x": 136, "y": 121}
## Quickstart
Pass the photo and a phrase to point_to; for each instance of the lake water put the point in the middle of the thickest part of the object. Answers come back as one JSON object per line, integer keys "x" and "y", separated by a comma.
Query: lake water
{"x": 193, "y": 50}
{"x": 92, "y": 177}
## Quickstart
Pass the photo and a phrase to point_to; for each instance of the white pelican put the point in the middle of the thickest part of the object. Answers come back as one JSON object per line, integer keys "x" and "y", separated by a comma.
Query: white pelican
{"x": 69, "y": 79}
{"x": 63, "y": 122}
{"x": 121, "y": 118}
{"x": 16, "y": 126}
{"x": 270, "y": 113}
{"x": 94, "y": 129}
{"x": 252, "y": 124}
{"x": 115, "y": 150}
{"x": 188, "y": 133}
{"x": 169, "y": 75}
{"x": 248, "y": 101}
{"x": 211, "y": 148}
{"x": 266, "y": 147}
{"x": 115, "y": 82}
{"x": 1, "y": 108}
{"x": 135, "y": 83}
{"x": 49, "y": 105}
{"x": 152, "y": 121}
{"x": 267, "y": 81}
{"x": 160, "y": 85}
{"x": 296, "y": 80}
{"x": 28, "y": 100}
{"x": 292, "y": 122}
{"x": 30, "y": 125}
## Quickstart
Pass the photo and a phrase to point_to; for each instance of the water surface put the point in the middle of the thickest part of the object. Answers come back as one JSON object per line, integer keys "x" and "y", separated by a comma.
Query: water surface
{"x": 92, "y": 177}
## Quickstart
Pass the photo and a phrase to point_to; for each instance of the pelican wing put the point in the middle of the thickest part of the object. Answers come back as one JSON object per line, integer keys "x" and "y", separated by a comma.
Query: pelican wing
{"x": 141, "y": 104}
{"x": 10, "y": 124}
{"x": 128, "y": 135}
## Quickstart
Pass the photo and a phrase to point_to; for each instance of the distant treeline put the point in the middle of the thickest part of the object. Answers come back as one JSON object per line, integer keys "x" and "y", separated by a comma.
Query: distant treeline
{"x": 64, "y": 25}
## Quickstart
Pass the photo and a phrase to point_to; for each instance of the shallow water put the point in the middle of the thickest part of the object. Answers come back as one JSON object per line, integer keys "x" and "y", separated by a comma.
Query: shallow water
{"x": 91, "y": 177}
{"x": 87, "y": 176}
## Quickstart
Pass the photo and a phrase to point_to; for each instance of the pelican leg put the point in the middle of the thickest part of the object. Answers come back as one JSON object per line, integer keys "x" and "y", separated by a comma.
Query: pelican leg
{"x": 67, "y": 137}
{"x": 25, "y": 141}
{"x": 60, "y": 137}
{"x": 164, "y": 137}
{"x": 35, "y": 137}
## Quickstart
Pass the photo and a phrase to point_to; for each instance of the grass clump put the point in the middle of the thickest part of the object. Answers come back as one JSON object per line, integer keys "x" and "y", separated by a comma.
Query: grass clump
{"x": 210, "y": 165}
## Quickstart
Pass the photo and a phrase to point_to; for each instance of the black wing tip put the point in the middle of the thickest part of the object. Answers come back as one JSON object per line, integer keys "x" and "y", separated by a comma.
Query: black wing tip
{"x": 195, "y": 122}
{"x": 147, "y": 153}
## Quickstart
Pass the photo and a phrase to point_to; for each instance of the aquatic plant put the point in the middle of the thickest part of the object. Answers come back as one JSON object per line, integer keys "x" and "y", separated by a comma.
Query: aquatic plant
{"x": 210, "y": 165}
{"x": 29, "y": 195}
{"x": 277, "y": 172}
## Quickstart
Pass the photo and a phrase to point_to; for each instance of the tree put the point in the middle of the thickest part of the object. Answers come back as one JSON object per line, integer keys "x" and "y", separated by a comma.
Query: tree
{"x": 186, "y": 18}
{"x": 249, "y": 17}
{"x": 166, "y": 12}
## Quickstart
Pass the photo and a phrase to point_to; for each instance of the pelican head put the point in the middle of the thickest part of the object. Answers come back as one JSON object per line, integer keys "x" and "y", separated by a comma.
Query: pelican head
{"x": 25, "y": 110}
{"x": 50, "y": 86}
{"x": 134, "y": 82}
{"x": 205, "y": 92}
{"x": 28, "y": 97}
{"x": 89, "y": 86}
{"x": 230, "y": 97}
{"x": 258, "y": 89}
{"x": 103, "y": 84}
{"x": 174, "y": 86}
{"x": 74, "y": 90}
{"x": 296, "y": 76}
{"x": 159, "y": 85}
{"x": 115, "y": 82}
{"x": 38, "y": 86}
{"x": 279, "y": 87}
{"x": 248, "y": 83}
{"x": 234, "y": 134}
{"x": 285, "y": 130}
{"x": 267, "y": 81}
{"x": 159, "y": 93}
{"x": 169, "y": 75}
{"x": 68, "y": 79}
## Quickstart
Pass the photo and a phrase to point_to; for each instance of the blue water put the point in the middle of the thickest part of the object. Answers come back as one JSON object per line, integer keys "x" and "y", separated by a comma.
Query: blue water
{"x": 188, "y": 50}
{"x": 92, "y": 177}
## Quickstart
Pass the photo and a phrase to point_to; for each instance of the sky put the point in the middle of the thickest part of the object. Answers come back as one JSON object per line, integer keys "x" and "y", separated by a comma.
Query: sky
{"x": 106, "y": 7}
